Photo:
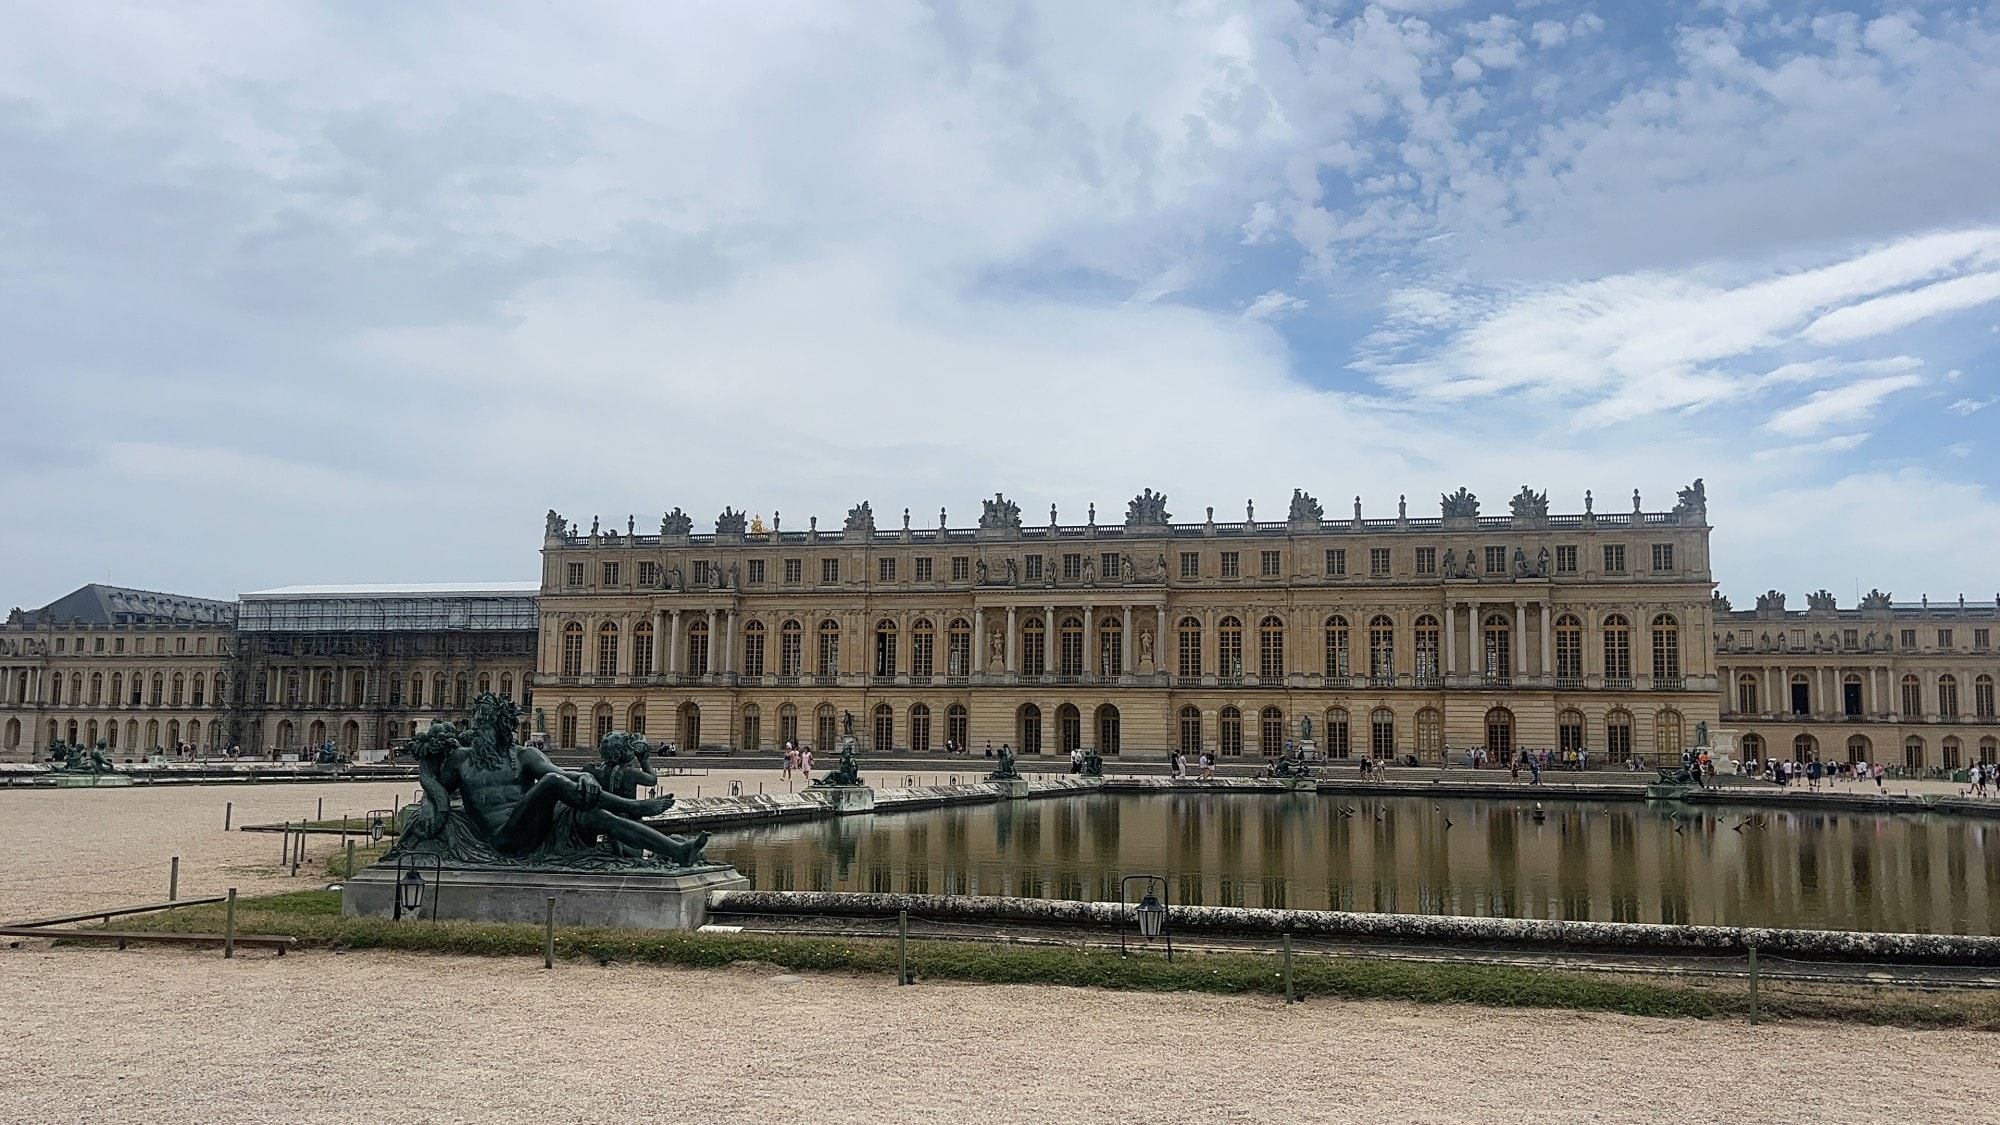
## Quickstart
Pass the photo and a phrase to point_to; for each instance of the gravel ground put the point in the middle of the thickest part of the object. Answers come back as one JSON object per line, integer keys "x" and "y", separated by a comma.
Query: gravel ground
{"x": 170, "y": 1035}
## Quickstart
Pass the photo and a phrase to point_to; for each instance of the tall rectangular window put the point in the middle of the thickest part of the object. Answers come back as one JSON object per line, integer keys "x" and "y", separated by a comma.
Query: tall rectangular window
{"x": 923, "y": 570}
{"x": 1378, "y": 562}
{"x": 756, "y": 572}
{"x": 885, "y": 570}
{"x": 1982, "y": 638}
{"x": 1190, "y": 564}
{"x": 1566, "y": 560}
{"x": 1663, "y": 556}
{"x": 573, "y": 575}
{"x": 611, "y": 574}
{"x": 795, "y": 570}
{"x": 1908, "y": 638}
{"x": 1944, "y": 638}
{"x": 1267, "y": 564}
{"x": 1614, "y": 558}
{"x": 1107, "y": 564}
{"x": 1427, "y": 560}
{"x": 1336, "y": 562}
{"x": 1072, "y": 567}
{"x": 1496, "y": 560}
{"x": 702, "y": 575}
{"x": 961, "y": 568}
{"x": 649, "y": 574}
{"x": 753, "y": 651}
{"x": 829, "y": 571}
{"x": 1232, "y": 566}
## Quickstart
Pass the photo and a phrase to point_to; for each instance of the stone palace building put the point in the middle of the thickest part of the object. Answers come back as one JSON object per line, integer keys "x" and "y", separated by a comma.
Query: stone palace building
{"x": 1384, "y": 637}
{"x": 1371, "y": 636}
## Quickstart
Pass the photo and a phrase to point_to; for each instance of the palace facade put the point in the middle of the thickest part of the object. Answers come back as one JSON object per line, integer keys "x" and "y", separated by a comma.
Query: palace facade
{"x": 1385, "y": 637}
{"x": 1907, "y": 684}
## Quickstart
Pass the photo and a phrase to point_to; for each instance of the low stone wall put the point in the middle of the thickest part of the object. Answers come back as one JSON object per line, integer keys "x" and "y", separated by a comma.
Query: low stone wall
{"x": 1810, "y": 945}
{"x": 202, "y": 773}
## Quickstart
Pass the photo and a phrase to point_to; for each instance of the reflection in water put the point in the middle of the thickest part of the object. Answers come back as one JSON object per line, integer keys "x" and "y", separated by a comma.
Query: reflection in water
{"x": 1582, "y": 862}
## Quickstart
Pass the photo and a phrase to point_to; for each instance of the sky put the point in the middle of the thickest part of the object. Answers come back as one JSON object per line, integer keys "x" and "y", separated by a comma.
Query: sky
{"x": 355, "y": 292}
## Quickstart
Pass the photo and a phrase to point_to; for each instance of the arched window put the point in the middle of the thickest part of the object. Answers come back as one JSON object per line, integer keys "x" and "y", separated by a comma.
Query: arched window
{"x": 1229, "y": 646}
{"x": 459, "y": 691}
{"x": 607, "y": 649}
{"x": 160, "y": 688}
{"x": 507, "y": 685}
{"x": 1338, "y": 653}
{"x": 1913, "y": 753}
{"x": 1913, "y": 697}
{"x": 920, "y": 729}
{"x": 1497, "y": 649}
{"x": 96, "y": 691}
{"x": 1231, "y": 730}
{"x": 788, "y": 723}
{"x": 323, "y": 696}
{"x": 885, "y": 648}
{"x": 1034, "y": 647}
{"x": 118, "y": 689}
{"x": 437, "y": 691}
{"x": 1753, "y": 747}
{"x": 923, "y": 648}
{"x": 1190, "y": 647}
{"x": 885, "y": 729}
{"x": 958, "y": 648}
{"x": 690, "y": 716}
{"x": 1947, "y": 697}
{"x": 1669, "y": 735}
{"x": 573, "y": 655}
{"x": 417, "y": 690}
{"x": 1271, "y": 649}
{"x": 1338, "y": 744}
{"x": 285, "y": 739}
{"x": 1500, "y": 733}
{"x": 1271, "y": 732}
{"x": 565, "y": 727}
{"x": 753, "y": 648}
{"x": 1618, "y": 734}
{"x": 1569, "y": 730}
{"x": 1618, "y": 650}
{"x": 1072, "y": 646}
{"x": 1858, "y": 748}
{"x": 1982, "y": 697}
{"x": 1746, "y": 694}
{"x": 1801, "y": 694}
{"x": 318, "y": 734}
{"x": 1989, "y": 750}
{"x": 826, "y": 728}
{"x": 1190, "y": 743}
{"x": 1069, "y": 728}
{"x": 1111, "y": 648}
{"x": 791, "y": 648}
{"x": 1666, "y": 648}
{"x": 958, "y": 725}
{"x": 635, "y": 718}
{"x": 1569, "y": 648}
{"x": 642, "y": 649}
{"x": 1029, "y": 729}
{"x": 1805, "y": 748}
{"x": 200, "y": 694}
{"x": 1951, "y": 753}
{"x": 1381, "y": 649}
{"x": 1429, "y": 665}
{"x": 485, "y": 685}
{"x": 829, "y": 648}
{"x": 1382, "y": 733}
{"x": 697, "y": 647}
{"x": 1107, "y": 730}
{"x": 1430, "y": 734}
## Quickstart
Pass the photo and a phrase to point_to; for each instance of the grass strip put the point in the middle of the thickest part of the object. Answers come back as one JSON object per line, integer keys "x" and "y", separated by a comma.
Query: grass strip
{"x": 314, "y": 918}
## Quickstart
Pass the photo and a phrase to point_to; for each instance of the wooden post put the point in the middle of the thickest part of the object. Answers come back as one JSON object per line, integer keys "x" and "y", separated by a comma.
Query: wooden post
{"x": 1288, "y": 968}
{"x": 228, "y": 807}
{"x": 350, "y": 859}
{"x": 1753, "y": 984}
{"x": 174, "y": 880}
{"x": 902, "y": 947}
{"x": 549, "y": 938}
{"x": 229, "y": 927}
{"x": 319, "y": 811}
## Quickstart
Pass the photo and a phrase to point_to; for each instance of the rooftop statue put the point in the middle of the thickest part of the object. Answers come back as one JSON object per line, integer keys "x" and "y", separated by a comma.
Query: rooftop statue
{"x": 1148, "y": 509}
{"x": 1529, "y": 504}
{"x": 1719, "y": 603}
{"x": 1771, "y": 600}
{"x": 556, "y": 527}
{"x": 676, "y": 522}
{"x": 1875, "y": 599}
{"x": 1693, "y": 505}
{"x": 1461, "y": 504}
{"x": 861, "y": 518}
{"x": 517, "y": 809}
{"x": 999, "y": 513}
{"x": 730, "y": 522}
{"x": 1822, "y": 599}
{"x": 1304, "y": 508}
{"x": 757, "y": 526}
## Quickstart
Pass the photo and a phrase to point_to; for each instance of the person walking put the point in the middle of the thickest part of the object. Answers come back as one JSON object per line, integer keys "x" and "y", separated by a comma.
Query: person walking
{"x": 806, "y": 762}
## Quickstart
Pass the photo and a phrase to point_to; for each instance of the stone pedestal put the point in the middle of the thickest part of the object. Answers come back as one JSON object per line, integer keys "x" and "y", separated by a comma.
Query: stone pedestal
{"x": 1668, "y": 792}
{"x": 1308, "y": 749}
{"x": 1014, "y": 789}
{"x": 633, "y": 900}
{"x": 91, "y": 780}
{"x": 844, "y": 798}
{"x": 1302, "y": 784}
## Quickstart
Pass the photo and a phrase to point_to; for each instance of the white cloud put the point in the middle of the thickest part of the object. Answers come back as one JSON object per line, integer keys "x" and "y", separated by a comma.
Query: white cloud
{"x": 1840, "y": 404}
{"x": 1966, "y": 406}
{"x": 1886, "y": 314}
{"x": 1272, "y": 304}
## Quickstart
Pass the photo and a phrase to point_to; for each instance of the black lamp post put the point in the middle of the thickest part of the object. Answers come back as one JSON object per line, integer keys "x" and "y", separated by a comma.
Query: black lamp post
{"x": 409, "y": 893}
{"x": 1150, "y": 913}
{"x": 375, "y": 830}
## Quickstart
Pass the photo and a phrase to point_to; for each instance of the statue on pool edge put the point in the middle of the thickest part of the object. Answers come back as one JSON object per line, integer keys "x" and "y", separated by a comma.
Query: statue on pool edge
{"x": 515, "y": 808}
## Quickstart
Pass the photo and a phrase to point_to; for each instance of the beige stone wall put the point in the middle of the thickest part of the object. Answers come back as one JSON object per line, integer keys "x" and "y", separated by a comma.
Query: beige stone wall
{"x": 134, "y": 686}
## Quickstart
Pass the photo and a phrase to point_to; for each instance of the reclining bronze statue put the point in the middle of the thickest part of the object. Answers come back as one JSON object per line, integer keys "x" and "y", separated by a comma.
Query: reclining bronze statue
{"x": 491, "y": 802}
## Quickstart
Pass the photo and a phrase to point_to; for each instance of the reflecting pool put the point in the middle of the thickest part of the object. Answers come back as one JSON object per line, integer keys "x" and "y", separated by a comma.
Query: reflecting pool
{"x": 1619, "y": 862}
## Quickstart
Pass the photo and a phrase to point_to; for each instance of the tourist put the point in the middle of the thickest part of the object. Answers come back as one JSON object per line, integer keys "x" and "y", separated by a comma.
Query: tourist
{"x": 1174, "y": 764}
{"x": 791, "y": 759}
{"x": 989, "y": 748}
{"x": 1534, "y": 770}
{"x": 1207, "y": 764}
{"x": 806, "y": 762}
{"x": 1880, "y": 773}
{"x": 1076, "y": 759}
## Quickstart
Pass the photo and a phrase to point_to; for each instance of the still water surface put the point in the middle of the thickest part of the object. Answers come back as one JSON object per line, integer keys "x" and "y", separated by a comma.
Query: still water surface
{"x": 1621, "y": 862}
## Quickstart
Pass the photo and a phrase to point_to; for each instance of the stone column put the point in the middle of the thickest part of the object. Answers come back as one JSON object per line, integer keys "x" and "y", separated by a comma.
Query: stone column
{"x": 1013, "y": 642}
{"x": 673, "y": 645}
{"x": 729, "y": 647}
{"x": 1520, "y": 638}
{"x": 1125, "y": 645}
{"x": 1548, "y": 642}
{"x": 659, "y": 641}
{"x": 1160, "y": 645}
{"x": 714, "y": 641}
{"x": 1051, "y": 639}
{"x": 1450, "y": 639}
{"x": 978, "y": 654}
{"x": 1090, "y": 656}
